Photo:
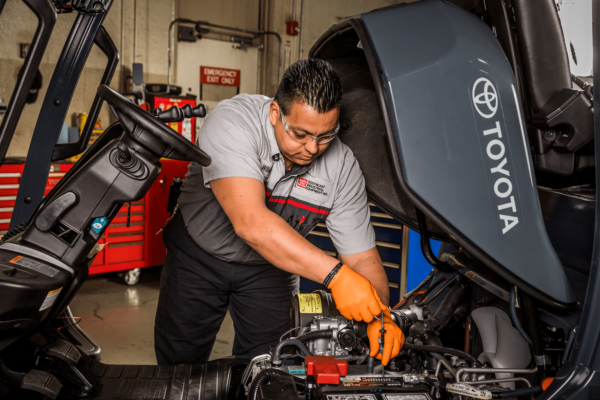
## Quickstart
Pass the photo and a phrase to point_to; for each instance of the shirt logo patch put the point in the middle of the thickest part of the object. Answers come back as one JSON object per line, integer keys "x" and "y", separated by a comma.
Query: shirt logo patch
{"x": 312, "y": 186}
{"x": 302, "y": 183}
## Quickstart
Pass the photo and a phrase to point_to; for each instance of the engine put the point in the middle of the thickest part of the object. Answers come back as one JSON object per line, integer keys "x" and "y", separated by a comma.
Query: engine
{"x": 461, "y": 342}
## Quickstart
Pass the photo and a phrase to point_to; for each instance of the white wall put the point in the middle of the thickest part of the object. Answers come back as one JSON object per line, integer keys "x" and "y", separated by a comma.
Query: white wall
{"x": 215, "y": 53}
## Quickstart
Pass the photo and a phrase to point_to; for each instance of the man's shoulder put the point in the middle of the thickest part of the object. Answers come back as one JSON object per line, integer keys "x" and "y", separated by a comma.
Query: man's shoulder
{"x": 244, "y": 104}
{"x": 243, "y": 115}
{"x": 336, "y": 162}
{"x": 338, "y": 154}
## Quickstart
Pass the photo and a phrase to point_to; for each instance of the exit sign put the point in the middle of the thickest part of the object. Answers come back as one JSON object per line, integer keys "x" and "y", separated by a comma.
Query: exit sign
{"x": 219, "y": 76}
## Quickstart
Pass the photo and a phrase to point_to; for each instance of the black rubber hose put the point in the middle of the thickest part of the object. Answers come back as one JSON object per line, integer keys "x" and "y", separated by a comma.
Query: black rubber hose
{"x": 515, "y": 317}
{"x": 445, "y": 311}
{"x": 324, "y": 334}
{"x": 517, "y": 392}
{"x": 441, "y": 350}
{"x": 371, "y": 365}
{"x": 436, "y": 294}
{"x": 285, "y": 343}
{"x": 534, "y": 331}
{"x": 415, "y": 361}
{"x": 12, "y": 376}
{"x": 264, "y": 376}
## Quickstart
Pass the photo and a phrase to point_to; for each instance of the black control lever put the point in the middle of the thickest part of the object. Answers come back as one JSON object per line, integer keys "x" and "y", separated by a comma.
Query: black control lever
{"x": 177, "y": 114}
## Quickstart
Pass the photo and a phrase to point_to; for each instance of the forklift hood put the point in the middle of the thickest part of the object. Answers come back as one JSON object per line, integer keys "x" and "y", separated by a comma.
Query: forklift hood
{"x": 432, "y": 112}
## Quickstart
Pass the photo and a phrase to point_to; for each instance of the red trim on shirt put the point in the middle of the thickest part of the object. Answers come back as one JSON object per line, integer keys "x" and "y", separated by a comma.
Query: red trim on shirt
{"x": 295, "y": 204}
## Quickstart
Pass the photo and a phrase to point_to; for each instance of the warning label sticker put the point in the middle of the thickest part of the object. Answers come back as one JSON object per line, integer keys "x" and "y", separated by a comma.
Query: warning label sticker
{"x": 351, "y": 396}
{"x": 310, "y": 303}
{"x": 50, "y": 298}
{"x": 405, "y": 397}
{"x": 35, "y": 265}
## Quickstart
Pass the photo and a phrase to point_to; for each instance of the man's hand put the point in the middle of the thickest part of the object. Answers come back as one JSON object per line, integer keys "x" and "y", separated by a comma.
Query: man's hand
{"x": 354, "y": 295}
{"x": 393, "y": 338}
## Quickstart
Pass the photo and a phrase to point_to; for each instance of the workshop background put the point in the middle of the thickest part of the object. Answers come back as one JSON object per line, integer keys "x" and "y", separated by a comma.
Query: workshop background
{"x": 117, "y": 306}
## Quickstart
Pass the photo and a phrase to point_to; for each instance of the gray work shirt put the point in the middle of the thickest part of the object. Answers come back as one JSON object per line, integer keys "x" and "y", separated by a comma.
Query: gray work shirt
{"x": 241, "y": 141}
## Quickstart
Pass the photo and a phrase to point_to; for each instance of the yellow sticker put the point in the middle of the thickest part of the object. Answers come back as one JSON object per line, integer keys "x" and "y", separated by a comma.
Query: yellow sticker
{"x": 310, "y": 303}
{"x": 50, "y": 298}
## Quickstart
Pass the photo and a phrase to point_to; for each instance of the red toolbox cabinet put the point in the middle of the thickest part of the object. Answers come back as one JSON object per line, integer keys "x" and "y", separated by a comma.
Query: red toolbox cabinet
{"x": 136, "y": 246}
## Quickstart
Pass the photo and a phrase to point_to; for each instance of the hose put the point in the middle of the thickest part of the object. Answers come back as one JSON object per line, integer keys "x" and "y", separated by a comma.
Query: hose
{"x": 437, "y": 349}
{"x": 441, "y": 359}
{"x": 515, "y": 318}
{"x": 359, "y": 359}
{"x": 446, "y": 310}
{"x": 14, "y": 377}
{"x": 415, "y": 361}
{"x": 263, "y": 377}
{"x": 436, "y": 294}
{"x": 518, "y": 392}
{"x": 323, "y": 334}
{"x": 285, "y": 343}
{"x": 371, "y": 365}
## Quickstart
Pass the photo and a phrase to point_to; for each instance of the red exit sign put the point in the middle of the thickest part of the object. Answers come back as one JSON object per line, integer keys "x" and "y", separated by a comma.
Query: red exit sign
{"x": 219, "y": 76}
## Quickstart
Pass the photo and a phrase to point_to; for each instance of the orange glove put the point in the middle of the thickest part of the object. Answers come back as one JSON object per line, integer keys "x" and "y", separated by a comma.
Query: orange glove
{"x": 393, "y": 338}
{"x": 354, "y": 295}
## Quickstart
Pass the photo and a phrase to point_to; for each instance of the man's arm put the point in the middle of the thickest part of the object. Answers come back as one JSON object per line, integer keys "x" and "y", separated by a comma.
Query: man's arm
{"x": 368, "y": 264}
{"x": 243, "y": 200}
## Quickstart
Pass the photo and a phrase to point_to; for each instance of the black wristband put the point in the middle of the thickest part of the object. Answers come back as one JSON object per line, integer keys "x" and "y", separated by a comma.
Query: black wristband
{"x": 332, "y": 274}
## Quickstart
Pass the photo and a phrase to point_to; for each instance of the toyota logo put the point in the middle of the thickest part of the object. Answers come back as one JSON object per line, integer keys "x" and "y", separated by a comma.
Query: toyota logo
{"x": 485, "y": 98}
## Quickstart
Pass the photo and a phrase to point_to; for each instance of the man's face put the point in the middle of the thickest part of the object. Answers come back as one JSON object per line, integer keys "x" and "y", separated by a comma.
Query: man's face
{"x": 303, "y": 121}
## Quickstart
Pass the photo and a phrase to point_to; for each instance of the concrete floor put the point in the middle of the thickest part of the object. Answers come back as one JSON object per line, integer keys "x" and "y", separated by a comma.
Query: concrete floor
{"x": 120, "y": 318}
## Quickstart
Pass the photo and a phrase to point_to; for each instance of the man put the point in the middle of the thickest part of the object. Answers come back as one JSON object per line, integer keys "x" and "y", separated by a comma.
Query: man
{"x": 237, "y": 240}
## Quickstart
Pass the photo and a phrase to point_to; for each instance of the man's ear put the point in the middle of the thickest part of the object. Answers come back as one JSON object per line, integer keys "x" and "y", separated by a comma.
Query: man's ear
{"x": 273, "y": 113}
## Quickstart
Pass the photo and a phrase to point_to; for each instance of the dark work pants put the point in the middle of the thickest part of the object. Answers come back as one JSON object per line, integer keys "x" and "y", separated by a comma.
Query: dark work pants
{"x": 196, "y": 289}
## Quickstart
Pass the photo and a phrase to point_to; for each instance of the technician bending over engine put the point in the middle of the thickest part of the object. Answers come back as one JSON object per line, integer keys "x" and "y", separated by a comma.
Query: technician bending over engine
{"x": 237, "y": 238}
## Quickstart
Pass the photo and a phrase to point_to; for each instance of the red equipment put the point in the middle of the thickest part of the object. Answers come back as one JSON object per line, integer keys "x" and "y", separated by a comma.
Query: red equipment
{"x": 326, "y": 369}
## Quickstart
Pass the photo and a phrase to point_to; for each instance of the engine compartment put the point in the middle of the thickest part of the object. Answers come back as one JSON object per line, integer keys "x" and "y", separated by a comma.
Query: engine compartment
{"x": 461, "y": 340}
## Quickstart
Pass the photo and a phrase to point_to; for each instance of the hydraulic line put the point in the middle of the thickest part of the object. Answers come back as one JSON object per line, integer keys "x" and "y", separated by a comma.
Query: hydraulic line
{"x": 515, "y": 318}
{"x": 538, "y": 348}
{"x": 432, "y": 298}
{"x": 323, "y": 334}
{"x": 440, "y": 350}
{"x": 494, "y": 370}
{"x": 263, "y": 377}
{"x": 442, "y": 360}
{"x": 285, "y": 343}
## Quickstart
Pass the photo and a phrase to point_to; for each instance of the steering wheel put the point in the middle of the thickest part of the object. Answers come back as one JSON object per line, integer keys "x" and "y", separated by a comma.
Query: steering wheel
{"x": 151, "y": 132}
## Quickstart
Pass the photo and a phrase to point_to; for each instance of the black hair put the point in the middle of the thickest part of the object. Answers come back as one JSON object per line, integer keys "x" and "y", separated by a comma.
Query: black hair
{"x": 313, "y": 82}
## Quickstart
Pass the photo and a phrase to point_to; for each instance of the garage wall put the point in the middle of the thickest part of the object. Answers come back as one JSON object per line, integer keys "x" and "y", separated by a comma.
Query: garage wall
{"x": 319, "y": 15}
{"x": 214, "y": 53}
{"x": 132, "y": 24}
{"x": 214, "y": 50}
{"x": 139, "y": 29}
